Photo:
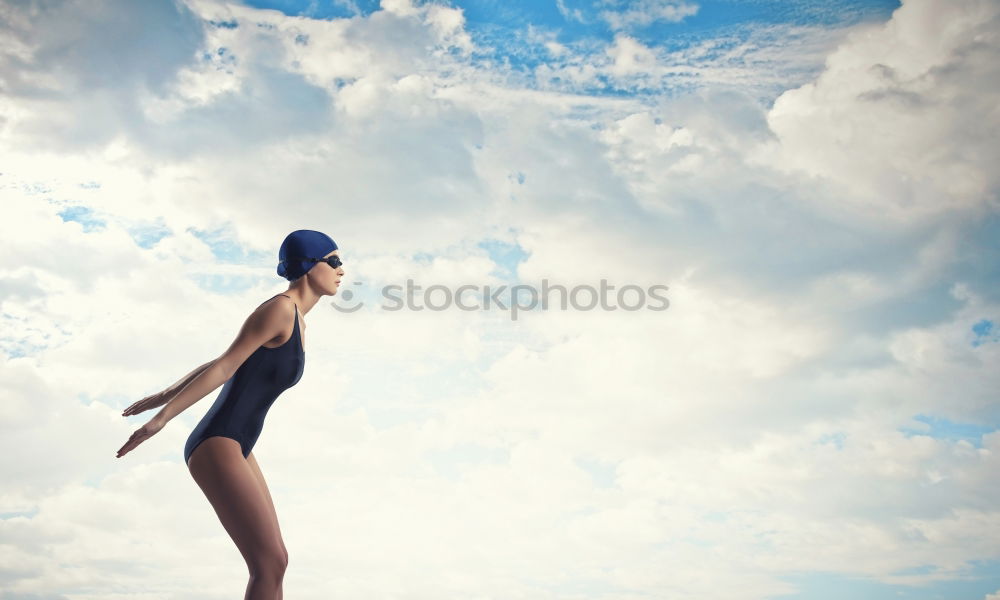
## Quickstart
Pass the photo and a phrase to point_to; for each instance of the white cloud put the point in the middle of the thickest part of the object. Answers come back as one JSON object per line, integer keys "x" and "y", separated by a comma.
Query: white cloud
{"x": 752, "y": 429}
{"x": 645, "y": 12}
{"x": 630, "y": 56}
{"x": 759, "y": 60}
{"x": 570, "y": 14}
{"x": 901, "y": 118}
{"x": 75, "y": 89}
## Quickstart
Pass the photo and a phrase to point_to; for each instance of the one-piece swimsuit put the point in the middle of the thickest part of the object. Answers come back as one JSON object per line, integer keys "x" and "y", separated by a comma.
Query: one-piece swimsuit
{"x": 241, "y": 406}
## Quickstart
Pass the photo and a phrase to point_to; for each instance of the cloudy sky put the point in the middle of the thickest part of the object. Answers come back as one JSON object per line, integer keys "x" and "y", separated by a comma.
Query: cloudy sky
{"x": 813, "y": 416}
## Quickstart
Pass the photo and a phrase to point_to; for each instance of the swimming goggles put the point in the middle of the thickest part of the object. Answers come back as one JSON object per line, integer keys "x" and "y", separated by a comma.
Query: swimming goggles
{"x": 334, "y": 261}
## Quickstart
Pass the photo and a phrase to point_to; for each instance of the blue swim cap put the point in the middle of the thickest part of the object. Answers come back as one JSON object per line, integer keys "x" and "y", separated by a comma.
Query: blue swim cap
{"x": 302, "y": 243}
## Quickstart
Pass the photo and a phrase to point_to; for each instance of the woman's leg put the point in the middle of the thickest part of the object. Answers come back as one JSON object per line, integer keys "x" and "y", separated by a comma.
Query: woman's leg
{"x": 230, "y": 485}
{"x": 263, "y": 484}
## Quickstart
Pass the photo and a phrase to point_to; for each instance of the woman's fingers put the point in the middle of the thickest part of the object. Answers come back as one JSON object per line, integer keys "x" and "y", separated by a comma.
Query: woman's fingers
{"x": 142, "y": 434}
{"x": 128, "y": 447}
{"x": 150, "y": 401}
{"x": 136, "y": 438}
{"x": 137, "y": 407}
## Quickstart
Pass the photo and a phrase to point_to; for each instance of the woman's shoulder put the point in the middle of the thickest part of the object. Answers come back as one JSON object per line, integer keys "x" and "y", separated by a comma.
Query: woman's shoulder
{"x": 280, "y": 300}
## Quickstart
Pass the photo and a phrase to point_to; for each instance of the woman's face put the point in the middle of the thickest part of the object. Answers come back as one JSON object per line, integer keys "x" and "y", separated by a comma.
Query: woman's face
{"x": 326, "y": 276}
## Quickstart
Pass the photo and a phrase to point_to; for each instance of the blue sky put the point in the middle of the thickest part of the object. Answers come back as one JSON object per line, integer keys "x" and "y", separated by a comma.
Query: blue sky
{"x": 815, "y": 415}
{"x": 574, "y": 21}
{"x": 512, "y": 33}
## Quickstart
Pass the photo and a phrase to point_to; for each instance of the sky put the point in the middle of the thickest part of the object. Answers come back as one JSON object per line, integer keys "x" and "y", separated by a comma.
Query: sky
{"x": 804, "y": 409}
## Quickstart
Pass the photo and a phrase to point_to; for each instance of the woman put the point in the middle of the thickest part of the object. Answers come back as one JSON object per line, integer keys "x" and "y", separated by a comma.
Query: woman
{"x": 267, "y": 357}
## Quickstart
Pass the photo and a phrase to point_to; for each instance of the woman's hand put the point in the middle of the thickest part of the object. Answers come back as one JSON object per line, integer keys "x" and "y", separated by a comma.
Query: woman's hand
{"x": 141, "y": 435}
{"x": 151, "y": 401}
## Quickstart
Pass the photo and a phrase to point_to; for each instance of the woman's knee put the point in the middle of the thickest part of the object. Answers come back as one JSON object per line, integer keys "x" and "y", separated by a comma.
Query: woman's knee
{"x": 269, "y": 563}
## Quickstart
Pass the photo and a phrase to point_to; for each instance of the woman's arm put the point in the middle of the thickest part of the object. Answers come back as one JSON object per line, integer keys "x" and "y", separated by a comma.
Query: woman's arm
{"x": 267, "y": 322}
{"x": 170, "y": 391}
{"x": 158, "y": 399}
{"x": 203, "y": 383}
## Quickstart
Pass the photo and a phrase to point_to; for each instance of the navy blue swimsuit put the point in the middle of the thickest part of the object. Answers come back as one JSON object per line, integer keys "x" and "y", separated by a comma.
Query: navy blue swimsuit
{"x": 240, "y": 408}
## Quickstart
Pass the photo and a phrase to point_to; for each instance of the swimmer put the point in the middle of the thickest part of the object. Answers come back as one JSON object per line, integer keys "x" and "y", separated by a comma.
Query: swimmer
{"x": 266, "y": 358}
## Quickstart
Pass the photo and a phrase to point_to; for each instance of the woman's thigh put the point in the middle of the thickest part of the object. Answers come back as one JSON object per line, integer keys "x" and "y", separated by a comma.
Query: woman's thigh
{"x": 233, "y": 490}
{"x": 252, "y": 461}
